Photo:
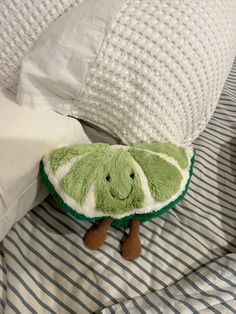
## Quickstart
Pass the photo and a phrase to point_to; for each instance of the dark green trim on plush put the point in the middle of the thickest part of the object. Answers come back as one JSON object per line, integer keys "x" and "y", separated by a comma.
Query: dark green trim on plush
{"x": 118, "y": 223}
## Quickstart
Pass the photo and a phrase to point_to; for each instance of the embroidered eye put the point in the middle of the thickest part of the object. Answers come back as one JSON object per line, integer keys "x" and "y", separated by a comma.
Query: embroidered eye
{"x": 108, "y": 178}
{"x": 132, "y": 176}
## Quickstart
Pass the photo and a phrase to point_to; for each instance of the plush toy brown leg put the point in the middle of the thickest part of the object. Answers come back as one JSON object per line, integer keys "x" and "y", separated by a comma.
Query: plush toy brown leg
{"x": 131, "y": 247}
{"x": 96, "y": 236}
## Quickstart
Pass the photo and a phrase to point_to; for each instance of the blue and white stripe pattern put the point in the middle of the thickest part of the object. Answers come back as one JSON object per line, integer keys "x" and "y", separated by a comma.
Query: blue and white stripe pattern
{"x": 188, "y": 262}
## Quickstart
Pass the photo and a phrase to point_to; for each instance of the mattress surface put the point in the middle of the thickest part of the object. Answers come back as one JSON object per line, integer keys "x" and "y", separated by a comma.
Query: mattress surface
{"x": 188, "y": 261}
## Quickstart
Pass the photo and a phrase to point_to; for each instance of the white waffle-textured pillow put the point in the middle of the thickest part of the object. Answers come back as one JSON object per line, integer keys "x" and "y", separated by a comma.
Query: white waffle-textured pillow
{"x": 155, "y": 72}
{"x": 21, "y": 23}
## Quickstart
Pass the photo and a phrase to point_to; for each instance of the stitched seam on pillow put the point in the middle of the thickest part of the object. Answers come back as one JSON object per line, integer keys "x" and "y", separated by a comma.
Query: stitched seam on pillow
{"x": 114, "y": 18}
{"x": 69, "y": 105}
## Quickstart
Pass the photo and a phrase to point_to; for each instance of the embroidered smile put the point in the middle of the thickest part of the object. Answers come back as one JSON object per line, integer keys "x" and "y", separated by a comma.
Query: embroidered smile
{"x": 122, "y": 198}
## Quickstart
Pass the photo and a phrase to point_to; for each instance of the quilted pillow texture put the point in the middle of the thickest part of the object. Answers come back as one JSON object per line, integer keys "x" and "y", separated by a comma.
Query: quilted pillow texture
{"x": 143, "y": 71}
{"x": 21, "y": 23}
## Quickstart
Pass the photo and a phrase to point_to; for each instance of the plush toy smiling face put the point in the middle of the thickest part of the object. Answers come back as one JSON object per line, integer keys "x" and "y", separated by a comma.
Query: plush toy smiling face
{"x": 118, "y": 185}
{"x": 98, "y": 180}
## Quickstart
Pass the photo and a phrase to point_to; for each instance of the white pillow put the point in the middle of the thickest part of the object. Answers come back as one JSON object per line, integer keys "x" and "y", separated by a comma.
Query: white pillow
{"x": 22, "y": 22}
{"x": 142, "y": 71}
{"x": 25, "y": 136}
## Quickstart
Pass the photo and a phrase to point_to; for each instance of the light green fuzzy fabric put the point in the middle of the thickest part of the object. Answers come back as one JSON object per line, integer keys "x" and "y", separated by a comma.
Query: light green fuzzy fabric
{"x": 171, "y": 150}
{"x": 79, "y": 179}
{"x": 118, "y": 185}
{"x": 111, "y": 176}
{"x": 61, "y": 155}
{"x": 163, "y": 178}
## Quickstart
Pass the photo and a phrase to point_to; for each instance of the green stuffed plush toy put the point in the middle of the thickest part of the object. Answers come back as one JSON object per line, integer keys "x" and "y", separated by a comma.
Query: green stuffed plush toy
{"x": 117, "y": 185}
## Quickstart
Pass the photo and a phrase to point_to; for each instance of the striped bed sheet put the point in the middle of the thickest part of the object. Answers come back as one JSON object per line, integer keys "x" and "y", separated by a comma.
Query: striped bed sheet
{"x": 188, "y": 262}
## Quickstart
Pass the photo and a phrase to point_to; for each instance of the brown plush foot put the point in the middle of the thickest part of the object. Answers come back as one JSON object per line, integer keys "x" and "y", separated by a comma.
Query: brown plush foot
{"x": 131, "y": 247}
{"x": 96, "y": 236}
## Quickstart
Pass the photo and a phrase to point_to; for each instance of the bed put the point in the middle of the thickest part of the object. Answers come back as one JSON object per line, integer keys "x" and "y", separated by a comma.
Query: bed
{"x": 188, "y": 261}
